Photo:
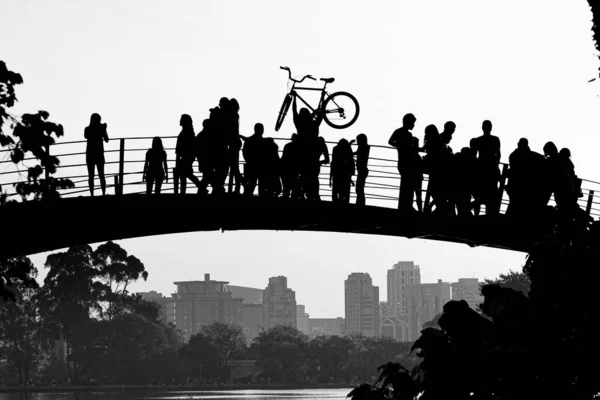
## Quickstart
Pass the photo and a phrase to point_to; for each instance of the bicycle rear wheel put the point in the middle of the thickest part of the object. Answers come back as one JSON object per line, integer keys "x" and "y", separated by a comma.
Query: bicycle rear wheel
{"x": 341, "y": 110}
{"x": 285, "y": 106}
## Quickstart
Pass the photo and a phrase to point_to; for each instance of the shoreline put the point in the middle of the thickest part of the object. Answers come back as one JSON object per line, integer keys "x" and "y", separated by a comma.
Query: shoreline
{"x": 181, "y": 388}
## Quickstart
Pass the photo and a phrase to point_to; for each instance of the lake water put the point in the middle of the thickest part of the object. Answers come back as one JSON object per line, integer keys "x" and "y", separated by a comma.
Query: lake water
{"x": 292, "y": 394}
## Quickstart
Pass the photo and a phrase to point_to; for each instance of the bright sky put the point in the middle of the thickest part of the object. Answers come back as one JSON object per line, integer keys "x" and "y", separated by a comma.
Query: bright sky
{"x": 523, "y": 64}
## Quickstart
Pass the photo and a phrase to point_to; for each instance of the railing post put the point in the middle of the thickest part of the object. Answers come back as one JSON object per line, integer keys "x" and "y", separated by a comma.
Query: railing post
{"x": 116, "y": 185}
{"x": 121, "y": 165}
{"x": 588, "y": 207}
{"x": 503, "y": 178}
{"x": 175, "y": 181}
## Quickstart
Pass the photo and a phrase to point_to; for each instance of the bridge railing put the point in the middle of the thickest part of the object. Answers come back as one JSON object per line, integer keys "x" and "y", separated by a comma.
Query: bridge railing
{"x": 125, "y": 159}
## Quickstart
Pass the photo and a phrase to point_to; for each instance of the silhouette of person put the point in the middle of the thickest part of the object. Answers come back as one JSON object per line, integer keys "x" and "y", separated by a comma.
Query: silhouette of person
{"x": 155, "y": 167}
{"x": 311, "y": 148}
{"x": 487, "y": 148}
{"x": 341, "y": 171}
{"x": 401, "y": 139}
{"x": 269, "y": 182}
{"x": 464, "y": 169}
{"x": 96, "y": 135}
{"x": 217, "y": 143}
{"x": 185, "y": 152}
{"x": 234, "y": 143}
{"x": 203, "y": 155}
{"x": 446, "y": 135}
{"x": 572, "y": 186}
{"x": 289, "y": 169}
{"x": 526, "y": 181}
{"x": 362, "y": 170}
{"x": 252, "y": 155}
{"x": 434, "y": 161}
{"x": 417, "y": 174}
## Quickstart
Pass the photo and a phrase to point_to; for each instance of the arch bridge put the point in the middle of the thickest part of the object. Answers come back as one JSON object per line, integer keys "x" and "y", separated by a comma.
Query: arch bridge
{"x": 127, "y": 212}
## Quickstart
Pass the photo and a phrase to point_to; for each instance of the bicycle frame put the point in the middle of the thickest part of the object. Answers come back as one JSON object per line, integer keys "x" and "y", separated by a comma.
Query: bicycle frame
{"x": 324, "y": 94}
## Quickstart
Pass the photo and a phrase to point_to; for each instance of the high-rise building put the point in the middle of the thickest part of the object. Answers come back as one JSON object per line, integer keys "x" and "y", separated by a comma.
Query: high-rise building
{"x": 467, "y": 289}
{"x": 402, "y": 274}
{"x": 199, "y": 303}
{"x": 302, "y": 319}
{"x": 327, "y": 327}
{"x": 362, "y": 305}
{"x": 157, "y": 298}
{"x": 253, "y": 321}
{"x": 279, "y": 303}
{"x": 423, "y": 302}
{"x": 248, "y": 294}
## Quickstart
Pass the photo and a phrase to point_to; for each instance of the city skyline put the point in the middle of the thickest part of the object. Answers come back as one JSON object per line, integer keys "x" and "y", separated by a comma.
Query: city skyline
{"x": 470, "y": 295}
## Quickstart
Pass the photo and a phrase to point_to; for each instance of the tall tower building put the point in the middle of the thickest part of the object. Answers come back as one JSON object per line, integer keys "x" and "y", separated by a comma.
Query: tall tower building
{"x": 199, "y": 303}
{"x": 402, "y": 275}
{"x": 279, "y": 303}
{"x": 362, "y": 305}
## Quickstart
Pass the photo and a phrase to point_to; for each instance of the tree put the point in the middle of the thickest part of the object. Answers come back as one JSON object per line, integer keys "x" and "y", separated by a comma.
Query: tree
{"x": 16, "y": 272}
{"x": 33, "y": 134}
{"x": 116, "y": 270}
{"x": 23, "y": 342}
{"x": 226, "y": 338}
{"x": 282, "y": 351}
{"x": 518, "y": 281}
{"x": 69, "y": 293}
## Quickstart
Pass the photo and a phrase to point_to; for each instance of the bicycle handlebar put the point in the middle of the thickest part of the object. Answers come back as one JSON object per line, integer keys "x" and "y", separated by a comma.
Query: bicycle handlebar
{"x": 296, "y": 80}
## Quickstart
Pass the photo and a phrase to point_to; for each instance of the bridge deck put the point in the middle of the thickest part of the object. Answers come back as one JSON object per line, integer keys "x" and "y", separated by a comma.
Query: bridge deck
{"x": 34, "y": 227}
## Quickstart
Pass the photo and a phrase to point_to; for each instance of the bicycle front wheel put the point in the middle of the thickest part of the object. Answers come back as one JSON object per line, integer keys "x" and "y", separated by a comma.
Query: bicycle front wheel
{"x": 341, "y": 110}
{"x": 285, "y": 106}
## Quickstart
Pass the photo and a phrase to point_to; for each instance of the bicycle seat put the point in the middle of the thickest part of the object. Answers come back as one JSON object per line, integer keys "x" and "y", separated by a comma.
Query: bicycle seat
{"x": 328, "y": 80}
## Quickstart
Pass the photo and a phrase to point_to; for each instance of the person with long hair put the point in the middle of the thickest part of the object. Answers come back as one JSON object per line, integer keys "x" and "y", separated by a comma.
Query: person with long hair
{"x": 96, "y": 135}
{"x": 234, "y": 145}
{"x": 155, "y": 167}
{"x": 185, "y": 151}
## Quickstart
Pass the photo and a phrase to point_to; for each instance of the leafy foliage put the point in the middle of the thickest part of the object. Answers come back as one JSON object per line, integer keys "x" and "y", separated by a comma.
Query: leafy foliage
{"x": 32, "y": 133}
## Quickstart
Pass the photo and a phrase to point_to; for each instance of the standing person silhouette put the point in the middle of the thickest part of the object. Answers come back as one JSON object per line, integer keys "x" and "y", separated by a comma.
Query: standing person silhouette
{"x": 417, "y": 173}
{"x": 253, "y": 150}
{"x": 341, "y": 171}
{"x": 289, "y": 169}
{"x": 487, "y": 148}
{"x": 185, "y": 151}
{"x": 234, "y": 143}
{"x": 155, "y": 167}
{"x": 96, "y": 135}
{"x": 401, "y": 139}
{"x": 362, "y": 170}
{"x": 311, "y": 148}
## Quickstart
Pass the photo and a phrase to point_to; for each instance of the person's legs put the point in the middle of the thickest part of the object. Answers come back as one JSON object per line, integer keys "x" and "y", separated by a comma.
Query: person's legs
{"x": 346, "y": 190}
{"x": 406, "y": 191}
{"x": 91, "y": 167}
{"x": 101, "y": 176}
{"x": 360, "y": 188}
{"x": 149, "y": 182}
{"x": 418, "y": 189}
{"x": 158, "y": 184}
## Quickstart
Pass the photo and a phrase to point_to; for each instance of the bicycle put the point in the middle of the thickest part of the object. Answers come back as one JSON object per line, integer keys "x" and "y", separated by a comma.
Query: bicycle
{"x": 347, "y": 113}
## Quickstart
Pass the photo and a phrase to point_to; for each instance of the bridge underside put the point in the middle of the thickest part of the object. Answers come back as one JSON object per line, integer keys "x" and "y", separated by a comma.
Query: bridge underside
{"x": 35, "y": 227}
